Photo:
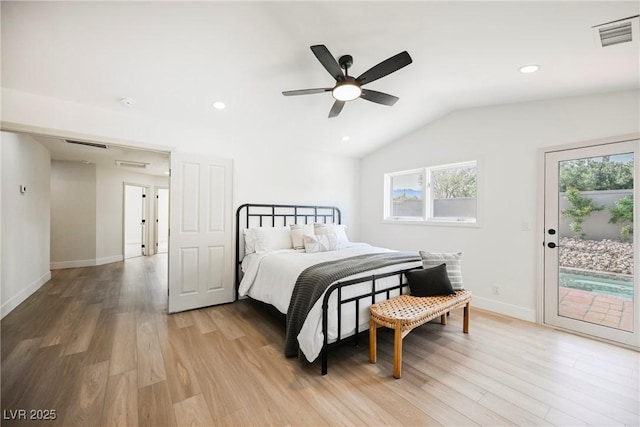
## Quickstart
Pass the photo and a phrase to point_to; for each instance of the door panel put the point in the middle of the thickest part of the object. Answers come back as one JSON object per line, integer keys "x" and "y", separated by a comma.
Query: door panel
{"x": 216, "y": 267}
{"x": 216, "y": 210}
{"x": 200, "y": 262}
{"x": 589, "y": 258}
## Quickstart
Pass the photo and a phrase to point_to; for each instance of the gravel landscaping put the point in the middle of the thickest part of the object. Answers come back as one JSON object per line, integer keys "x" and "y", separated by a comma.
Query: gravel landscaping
{"x": 597, "y": 255}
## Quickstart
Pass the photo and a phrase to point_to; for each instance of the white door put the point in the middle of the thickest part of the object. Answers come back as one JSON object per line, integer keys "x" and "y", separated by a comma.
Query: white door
{"x": 589, "y": 259}
{"x": 162, "y": 220}
{"x": 134, "y": 221}
{"x": 200, "y": 232}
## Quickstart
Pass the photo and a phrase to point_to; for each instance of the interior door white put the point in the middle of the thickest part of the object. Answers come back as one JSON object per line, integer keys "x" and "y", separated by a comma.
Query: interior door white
{"x": 200, "y": 232}
{"x": 134, "y": 221}
{"x": 143, "y": 222}
{"x": 162, "y": 221}
{"x": 589, "y": 260}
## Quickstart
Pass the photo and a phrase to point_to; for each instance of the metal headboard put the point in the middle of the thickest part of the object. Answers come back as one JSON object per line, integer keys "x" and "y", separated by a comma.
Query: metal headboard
{"x": 263, "y": 215}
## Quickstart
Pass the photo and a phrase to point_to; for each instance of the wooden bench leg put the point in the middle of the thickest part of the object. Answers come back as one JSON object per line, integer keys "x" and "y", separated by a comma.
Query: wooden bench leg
{"x": 373, "y": 350}
{"x": 465, "y": 324}
{"x": 443, "y": 319}
{"x": 397, "y": 349}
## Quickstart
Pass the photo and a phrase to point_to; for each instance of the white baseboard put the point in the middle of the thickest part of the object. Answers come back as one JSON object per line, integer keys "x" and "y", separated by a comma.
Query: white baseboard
{"x": 8, "y": 306}
{"x": 85, "y": 262}
{"x": 504, "y": 308}
{"x": 73, "y": 264}
{"x": 109, "y": 259}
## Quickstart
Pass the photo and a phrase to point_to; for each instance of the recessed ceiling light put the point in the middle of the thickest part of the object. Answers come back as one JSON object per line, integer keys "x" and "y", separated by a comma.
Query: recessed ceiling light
{"x": 127, "y": 102}
{"x": 219, "y": 105}
{"x": 527, "y": 69}
{"x": 345, "y": 138}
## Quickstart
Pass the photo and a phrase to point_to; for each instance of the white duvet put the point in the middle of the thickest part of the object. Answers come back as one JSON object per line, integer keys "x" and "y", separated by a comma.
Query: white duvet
{"x": 270, "y": 277}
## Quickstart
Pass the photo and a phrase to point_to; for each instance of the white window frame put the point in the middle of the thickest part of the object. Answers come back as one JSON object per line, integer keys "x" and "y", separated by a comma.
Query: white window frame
{"x": 388, "y": 191}
{"x": 429, "y": 219}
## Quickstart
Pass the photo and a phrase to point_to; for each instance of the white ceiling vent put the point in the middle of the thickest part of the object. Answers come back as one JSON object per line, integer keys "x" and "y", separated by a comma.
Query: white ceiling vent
{"x": 617, "y": 32}
{"x": 88, "y": 144}
{"x": 131, "y": 164}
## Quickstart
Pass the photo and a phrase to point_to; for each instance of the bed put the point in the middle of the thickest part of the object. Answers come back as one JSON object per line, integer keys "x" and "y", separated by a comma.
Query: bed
{"x": 300, "y": 282}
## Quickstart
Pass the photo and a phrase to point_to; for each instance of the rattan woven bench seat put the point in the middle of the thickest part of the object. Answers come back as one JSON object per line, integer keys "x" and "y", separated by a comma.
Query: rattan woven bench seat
{"x": 405, "y": 312}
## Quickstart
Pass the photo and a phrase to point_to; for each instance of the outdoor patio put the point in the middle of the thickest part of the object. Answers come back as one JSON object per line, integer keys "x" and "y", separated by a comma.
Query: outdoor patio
{"x": 606, "y": 310}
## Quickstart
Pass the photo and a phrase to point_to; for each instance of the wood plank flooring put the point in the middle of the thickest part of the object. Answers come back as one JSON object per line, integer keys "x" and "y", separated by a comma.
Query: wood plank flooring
{"x": 96, "y": 345}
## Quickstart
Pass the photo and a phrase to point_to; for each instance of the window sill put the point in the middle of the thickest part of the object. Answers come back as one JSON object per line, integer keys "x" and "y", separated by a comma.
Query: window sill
{"x": 436, "y": 223}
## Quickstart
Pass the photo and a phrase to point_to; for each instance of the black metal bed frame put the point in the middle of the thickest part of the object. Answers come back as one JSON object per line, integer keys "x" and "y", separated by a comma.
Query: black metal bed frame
{"x": 280, "y": 215}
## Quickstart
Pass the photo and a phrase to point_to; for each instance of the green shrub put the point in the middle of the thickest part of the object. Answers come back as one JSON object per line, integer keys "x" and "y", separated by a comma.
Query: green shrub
{"x": 581, "y": 207}
{"x": 622, "y": 213}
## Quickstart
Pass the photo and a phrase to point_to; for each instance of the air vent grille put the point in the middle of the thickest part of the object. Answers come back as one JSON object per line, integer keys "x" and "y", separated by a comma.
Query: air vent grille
{"x": 614, "y": 35}
{"x": 131, "y": 164}
{"x": 617, "y": 32}
{"x": 88, "y": 144}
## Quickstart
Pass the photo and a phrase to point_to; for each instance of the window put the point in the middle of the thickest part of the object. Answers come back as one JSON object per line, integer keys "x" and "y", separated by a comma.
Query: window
{"x": 407, "y": 195}
{"x": 446, "y": 193}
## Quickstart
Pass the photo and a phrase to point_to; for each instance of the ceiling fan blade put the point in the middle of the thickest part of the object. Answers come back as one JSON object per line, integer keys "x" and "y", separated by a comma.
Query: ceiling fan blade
{"x": 378, "y": 97}
{"x": 306, "y": 91}
{"x": 328, "y": 61}
{"x": 385, "y": 67}
{"x": 337, "y": 107}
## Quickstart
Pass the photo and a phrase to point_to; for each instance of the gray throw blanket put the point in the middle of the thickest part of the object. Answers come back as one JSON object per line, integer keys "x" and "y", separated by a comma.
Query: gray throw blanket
{"x": 314, "y": 280}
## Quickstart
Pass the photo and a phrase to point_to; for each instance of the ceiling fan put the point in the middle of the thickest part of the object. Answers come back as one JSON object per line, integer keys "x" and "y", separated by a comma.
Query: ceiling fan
{"x": 348, "y": 88}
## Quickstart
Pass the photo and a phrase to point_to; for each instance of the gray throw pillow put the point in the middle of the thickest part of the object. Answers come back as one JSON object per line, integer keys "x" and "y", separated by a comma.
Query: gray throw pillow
{"x": 454, "y": 265}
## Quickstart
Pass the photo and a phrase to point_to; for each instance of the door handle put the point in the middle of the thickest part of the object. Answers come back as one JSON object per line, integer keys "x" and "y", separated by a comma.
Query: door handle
{"x": 552, "y": 245}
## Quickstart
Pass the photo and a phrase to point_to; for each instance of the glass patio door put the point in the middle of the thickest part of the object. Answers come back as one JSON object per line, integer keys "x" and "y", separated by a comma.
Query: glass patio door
{"x": 589, "y": 256}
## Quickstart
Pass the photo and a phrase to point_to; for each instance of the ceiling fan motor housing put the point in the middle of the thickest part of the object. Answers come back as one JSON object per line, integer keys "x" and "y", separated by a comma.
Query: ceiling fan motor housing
{"x": 345, "y": 61}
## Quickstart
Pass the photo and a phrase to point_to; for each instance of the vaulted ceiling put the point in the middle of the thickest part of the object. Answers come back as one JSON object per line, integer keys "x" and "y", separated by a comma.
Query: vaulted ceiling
{"x": 176, "y": 58}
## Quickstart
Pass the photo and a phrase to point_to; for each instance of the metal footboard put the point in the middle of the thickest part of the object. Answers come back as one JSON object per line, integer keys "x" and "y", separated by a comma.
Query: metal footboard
{"x": 338, "y": 288}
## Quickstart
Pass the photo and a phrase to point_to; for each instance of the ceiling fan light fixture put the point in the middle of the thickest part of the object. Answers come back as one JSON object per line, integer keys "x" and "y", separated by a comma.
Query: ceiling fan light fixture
{"x": 346, "y": 91}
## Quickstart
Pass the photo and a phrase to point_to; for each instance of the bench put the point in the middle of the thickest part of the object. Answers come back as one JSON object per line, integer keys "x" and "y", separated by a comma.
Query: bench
{"x": 405, "y": 312}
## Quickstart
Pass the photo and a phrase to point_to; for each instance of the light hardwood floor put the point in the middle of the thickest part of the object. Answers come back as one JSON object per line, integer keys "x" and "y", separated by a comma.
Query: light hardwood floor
{"x": 96, "y": 345}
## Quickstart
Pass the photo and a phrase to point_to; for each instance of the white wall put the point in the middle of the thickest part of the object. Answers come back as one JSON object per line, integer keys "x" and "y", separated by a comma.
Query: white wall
{"x": 274, "y": 176}
{"x": 73, "y": 214}
{"x": 24, "y": 257}
{"x": 505, "y": 140}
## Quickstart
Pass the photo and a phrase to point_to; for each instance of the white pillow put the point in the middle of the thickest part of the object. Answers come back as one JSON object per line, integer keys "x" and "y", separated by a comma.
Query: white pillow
{"x": 320, "y": 228}
{"x": 338, "y": 229}
{"x": 298, "y": 231}
{"x": 272, "y": 238}
{"x": 320, "y": 243}
{"x": 341, "y": 233}
{"x": 249, "y": 241}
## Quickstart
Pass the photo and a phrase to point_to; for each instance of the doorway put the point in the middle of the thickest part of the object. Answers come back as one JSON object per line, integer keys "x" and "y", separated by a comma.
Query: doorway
{"x": 589, "y": 257}
{"x": 134, "y": 215}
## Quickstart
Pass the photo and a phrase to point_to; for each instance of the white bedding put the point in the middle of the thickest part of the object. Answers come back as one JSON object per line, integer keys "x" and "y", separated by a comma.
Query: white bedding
{"x": 270, "y": 277}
